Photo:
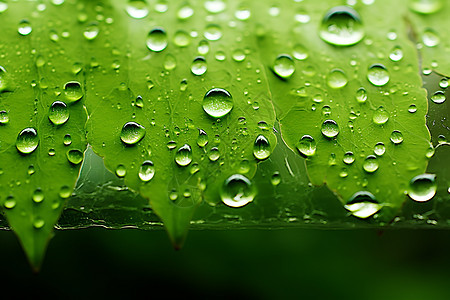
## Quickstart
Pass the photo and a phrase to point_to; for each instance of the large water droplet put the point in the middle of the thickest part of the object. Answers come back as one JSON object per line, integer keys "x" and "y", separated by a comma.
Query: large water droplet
{"x": 396, "y": 137}
{"x": 370, "y": 164}
{"x": 132, "y": 133}
{"x": 237, "y": 191}
{"x": 157, "y": 40}
{"x": 337, "y": 79}
{"x": 183, "y": 157}
{"x": 379, "y": 149}
{"x": 217, "y": 102}
{"x": 363, "y": 205}
{"x": 349, "y": 158}
{"x": 91, "y": 31}
{"x": 438, "y": 97}
{"x": 425, "y": 6}
{"x": 422, "y": 187}
{"x": 214, "y": 154}
{"x": 199, "y": 66}
{"x": 430, "y": 38}
{"x": 380, "y": 116}
{"x": 74, "y": 156}
{"x": 73, "y": 91}
{"x": 24, "y": 27}
{"x": 213, "y": 32}
{"x": 330, "y": 128}
{"x": 378, "y": 75}
{"x": 284, "y": 66}
{"x": 137, "y": 9}
{"x": 261, "y": 147}
{"x": 443, "y": 83}
{"x": 146, "y": 171}
{"x": 307, "y": 146}
{"x": 58, "y": 113}
{"x": 10, "y": 202}
{"x": 27, "y": 140}
{"x": 341, "y": 26}
{"x": 396, "y": 54}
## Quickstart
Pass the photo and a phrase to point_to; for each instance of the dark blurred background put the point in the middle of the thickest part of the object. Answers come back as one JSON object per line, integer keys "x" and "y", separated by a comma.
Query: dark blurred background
{"x": 250, "y": 264}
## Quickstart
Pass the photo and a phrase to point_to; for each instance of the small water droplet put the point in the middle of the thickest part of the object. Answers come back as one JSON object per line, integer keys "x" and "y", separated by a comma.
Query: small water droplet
{"x": 157, "y": 40}
{"x": 51, "y": 152}
{"x": 237, "y": 191}
{"x": 275, "y": 179}
{"x": 443, "y": 83}
{"x": 171, "y": 145}
{"x": 341, "y": 26}
{"x": 378, "y": 75}
{"x": 217, "y": 102}
{"x": 380, "y": 116}
{"x": 422, "y": 187}
{"x": 203, "y": 47}
{"x": 215, "y": 6}
{"x": 31, "y": 170}
{"x": 199, "y": 66}
{"x": 10, "y": 202}
{"x": 430, "y": 38}
{"x": 379, "y": 149}
{"x": 38, "y": 223}
{"x": 170, "y": 62}
{"x": 67, "y": 140}
{"x": 183, "y": 156}
{"x": 425, "y": 6}
{"x": 306, "y": 146}
{"x": 213, "y": 32}
{"x": 27, "y": 140}
{"x": 214, "y": 154}
{"x": 396, "y": 54}
{"x": 58, "y": 113}
{"x": 4, "y": 117}
{"x": 185, "y": 12}
{"x": 330, "y": 128}
{"x": 261, "y": 147}
{"x": 65, "y": 192}
{"x": 412, "y": 108}
{"x": 38, "y": 196}
{"x": 74, "y": 156}
{"x": 73, "y": 91}
{"x": 361, "y": 95}
{"x": 349, "y": 158}
{"x": 242, "y": 14}
{"x": 396, "y": 137}
{"x": 146, "y": 171}
{"x": 91, "y": 31}
{"x": 182, "y": 38}
{"x": 132, "y": 133}
{"x": 202, "y": 139}
{"x": 300, "y": 52}
{"x": 24, "y": 27}
{"x": 363, "y": 205}
{"x": 137, "y": 9}
{"x": 121, "y": 171}
{"x": 3, "y": 6}
{"x": 337, "y": 79}
{"x": 284, "y": 66}
{"x": 438, "y": 97}
{"x": 370, "y": 164}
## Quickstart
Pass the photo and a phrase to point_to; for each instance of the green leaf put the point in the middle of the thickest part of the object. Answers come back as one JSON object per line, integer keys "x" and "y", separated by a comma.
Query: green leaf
{"x": 34, "y": 186}
{"x": 171, "y": 109}
{"x": 325, "y": 87}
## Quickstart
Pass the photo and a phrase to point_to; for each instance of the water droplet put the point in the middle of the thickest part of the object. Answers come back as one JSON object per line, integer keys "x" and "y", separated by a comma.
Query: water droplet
{"x": 349, "y": 158}
{"x": 217, "y": 102}
{"x": 215, "y": 6}
{"x": 430, "y": 38}
{"x": 38, "y": 223}
{"x": 438, "y": 97}
{"x": 27, "y": 140}
{"x": 443, "y": 83}
{"x": 199, "y": 66}
{"x": 121, "y": 171}
{"x": 379, "y": 149}
{"x": 330, "y": 128}
{"x": 146, "y": 171}
{"x": 74, "y": 156}
{"x": 65, "y": 192}
{"x": 73, "y": 91}
{"x": 341, "y": 26}
{"x": 396, "y": 137}
{"x": 363, "y": 205}
{"x": 4, "y": 117}
{"x": 307, "y": 146}
{"x": 370, "y": 164}
{"x": 58, "y": 113}
{"x": 238, "y": 55}
{"x": 242, "y": 14}
{"x": 31, "y": 170}
{"x": 183, "y": 156}
{"x": 284, "y": 66}
{"x": 425, "y": 6}
{"x": 171, "y": 145}
{"x": 203, "y": 47}
{"x": 261, "y": 147}
{"x": 263, "y": 125}
{"x": 91, "y": 31}
{"x": 51, "y": 152}
{"x": 396, "y": 54}
{"x": 220, "y": 55}
{"x": 24, "y": 27}
{"x": 275, "y": 179}
{"x": 337, "y": 79}
{"x": 38, "y": 196}
{"x": 300, "y": 52}
{"x": 185, "y": 12}
{"x": 3, "y": 82}
{"x": 132, "y": 133}
{"x": 213, "y": 32}
{"x": 380, "y": 116}
{"x": 237, "y": 191}
{"x": 9, "y": 202}
{"x": 202, "y": 139}
{"x": 412, "y": 108}
{"x": 170, "y": 62}
{"x": 378, "y": 75}
{"x": 67, "y": 140}
{"x": 182, "y": 38}
{"x": 157, "y": 40}
{"x": 3, "y": 6}
{"x": 137, "y": 9}
{"x": 214, "y": 154}
{"x": 361, "y": 95}
{"x": 422, "y": 187}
